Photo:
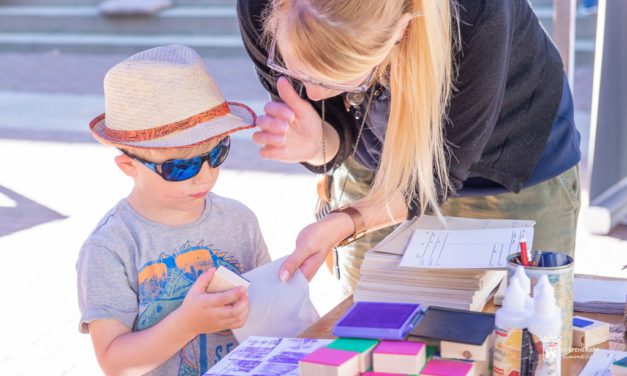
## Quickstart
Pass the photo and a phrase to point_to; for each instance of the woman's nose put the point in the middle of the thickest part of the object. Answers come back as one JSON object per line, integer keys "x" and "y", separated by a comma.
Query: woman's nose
{"x": 316, "y": 93}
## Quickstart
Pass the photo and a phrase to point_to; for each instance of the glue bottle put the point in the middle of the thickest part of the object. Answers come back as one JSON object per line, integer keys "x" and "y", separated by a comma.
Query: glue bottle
{"x": 511, "y": 343}
{"x": 545, "y": 326}
{"x": 525, "y": 283}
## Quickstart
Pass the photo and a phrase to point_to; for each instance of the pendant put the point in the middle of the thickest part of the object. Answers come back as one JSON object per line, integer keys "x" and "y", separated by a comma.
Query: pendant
{"x": 324, "y": 187}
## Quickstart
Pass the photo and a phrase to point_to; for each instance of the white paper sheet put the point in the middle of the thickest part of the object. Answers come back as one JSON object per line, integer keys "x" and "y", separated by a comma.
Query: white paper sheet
{"x": 266, "y": 356}
{"x": 486, "y": 248}
{"x": 397, "y": 241}
{"x": 600, "y": 362}
{"x": 277, "y": 309}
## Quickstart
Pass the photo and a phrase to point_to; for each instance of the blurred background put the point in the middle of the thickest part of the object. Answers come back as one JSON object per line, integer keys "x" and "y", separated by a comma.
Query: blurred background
{"x": 56, "y": 182}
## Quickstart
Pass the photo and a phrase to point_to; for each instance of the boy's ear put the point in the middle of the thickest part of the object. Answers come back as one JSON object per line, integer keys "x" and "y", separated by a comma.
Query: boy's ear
{"x": 125, "y": 163}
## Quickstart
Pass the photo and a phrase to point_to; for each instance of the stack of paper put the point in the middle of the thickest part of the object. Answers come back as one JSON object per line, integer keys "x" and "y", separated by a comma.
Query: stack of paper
{"x": 466, "y": 281}
{"x": 596, "y": 294}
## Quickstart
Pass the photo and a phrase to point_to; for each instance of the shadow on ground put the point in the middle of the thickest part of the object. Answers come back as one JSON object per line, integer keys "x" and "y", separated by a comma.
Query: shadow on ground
{"x": 23, "y": 213}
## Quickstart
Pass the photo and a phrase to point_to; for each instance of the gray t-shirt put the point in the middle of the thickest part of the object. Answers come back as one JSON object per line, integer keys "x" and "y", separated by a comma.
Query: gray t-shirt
{"x": 137, "y": 271}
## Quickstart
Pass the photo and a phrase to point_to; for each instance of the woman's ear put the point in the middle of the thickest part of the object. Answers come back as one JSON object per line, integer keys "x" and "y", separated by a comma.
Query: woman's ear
{"x": 125, "y": 163}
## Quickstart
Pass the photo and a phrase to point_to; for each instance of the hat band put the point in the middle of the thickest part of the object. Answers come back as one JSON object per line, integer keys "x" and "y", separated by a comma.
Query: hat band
{"x": 162, "y": 131}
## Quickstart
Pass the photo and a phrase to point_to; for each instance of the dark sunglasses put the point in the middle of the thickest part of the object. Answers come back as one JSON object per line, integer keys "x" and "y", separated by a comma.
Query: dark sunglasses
{"x": 183, "y": 169}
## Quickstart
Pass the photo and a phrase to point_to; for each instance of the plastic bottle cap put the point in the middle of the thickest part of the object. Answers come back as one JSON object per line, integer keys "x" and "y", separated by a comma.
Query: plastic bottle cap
{"x": 546, "y": 319}
{"x": 545, "y": 302}
{"x": 543, "y": 282}
{"x": 514, "y": 299}
{"x": 525, "y": 282}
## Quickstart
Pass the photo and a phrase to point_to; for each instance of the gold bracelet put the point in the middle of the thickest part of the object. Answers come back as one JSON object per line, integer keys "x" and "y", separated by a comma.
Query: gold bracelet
{"x": 358, "y": 222}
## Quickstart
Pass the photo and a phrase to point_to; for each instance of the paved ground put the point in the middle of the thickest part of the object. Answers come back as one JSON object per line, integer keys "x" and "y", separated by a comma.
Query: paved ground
{"x": 55, "y": 184}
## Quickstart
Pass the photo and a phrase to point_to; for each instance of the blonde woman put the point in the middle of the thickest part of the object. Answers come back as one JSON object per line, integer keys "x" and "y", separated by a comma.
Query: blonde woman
{"x": 415, "y": 106}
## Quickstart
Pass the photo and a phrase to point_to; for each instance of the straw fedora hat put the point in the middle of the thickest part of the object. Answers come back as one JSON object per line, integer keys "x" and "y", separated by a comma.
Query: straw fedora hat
{"x": 165, "y": 98}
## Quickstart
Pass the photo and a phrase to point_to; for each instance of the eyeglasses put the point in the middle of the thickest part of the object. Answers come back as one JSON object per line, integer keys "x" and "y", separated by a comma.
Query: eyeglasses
{"x": 183, "y": 169}
{"x": 300, "y": 77}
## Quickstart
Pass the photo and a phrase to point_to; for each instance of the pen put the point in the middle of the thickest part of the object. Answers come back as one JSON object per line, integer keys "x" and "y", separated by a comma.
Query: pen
{"x": 524, "y": 256}
{"x": 537, "y": 257}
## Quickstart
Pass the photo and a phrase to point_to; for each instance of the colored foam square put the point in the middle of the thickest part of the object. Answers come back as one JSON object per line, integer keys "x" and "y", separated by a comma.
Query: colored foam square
{"x": 619, "y": 367}
{"x": 581, "y": 323}
{"x": 225, "y": 279}
{"x": 372, "y": 373}
{"x": 445, "y": 367}
{"x": 329, "y": 362}
{"x": 378, "y": 320}
{"x": 405, "y": 357}
{"x": 361, "y": 346}
{"x": 590, "y": 334}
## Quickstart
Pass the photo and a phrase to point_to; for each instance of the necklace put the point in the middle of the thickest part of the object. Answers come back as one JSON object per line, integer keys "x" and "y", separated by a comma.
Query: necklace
{"x": 325, "y": 183}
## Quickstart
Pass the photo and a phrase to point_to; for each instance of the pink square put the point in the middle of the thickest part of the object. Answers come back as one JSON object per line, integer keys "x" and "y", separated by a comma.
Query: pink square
{"x": 371, "y": 373}
{"x": 330, "y": 357}
{"x": 399, "y": 347}
{"x": 441, "y": 367}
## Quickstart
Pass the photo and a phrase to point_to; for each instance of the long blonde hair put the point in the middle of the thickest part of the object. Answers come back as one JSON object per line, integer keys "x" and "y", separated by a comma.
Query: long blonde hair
{"x": 339, "y": 40}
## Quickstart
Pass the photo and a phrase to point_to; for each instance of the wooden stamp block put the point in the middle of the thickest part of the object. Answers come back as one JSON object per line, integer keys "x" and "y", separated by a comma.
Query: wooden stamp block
{"x": 225, "y": 279}
{"x": 406, "y": 357}
{"x": 588, "y": 332}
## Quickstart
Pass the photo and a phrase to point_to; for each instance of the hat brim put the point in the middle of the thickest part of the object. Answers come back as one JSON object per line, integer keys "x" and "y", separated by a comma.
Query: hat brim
{"x": 241, "y": 117}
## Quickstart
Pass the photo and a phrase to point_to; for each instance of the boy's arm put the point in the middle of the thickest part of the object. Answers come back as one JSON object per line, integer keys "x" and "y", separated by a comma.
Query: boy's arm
{"x": 122, "y": 352}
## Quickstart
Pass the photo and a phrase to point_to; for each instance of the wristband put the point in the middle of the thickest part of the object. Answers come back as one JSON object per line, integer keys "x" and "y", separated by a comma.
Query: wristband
{"x": 358, "y": 222}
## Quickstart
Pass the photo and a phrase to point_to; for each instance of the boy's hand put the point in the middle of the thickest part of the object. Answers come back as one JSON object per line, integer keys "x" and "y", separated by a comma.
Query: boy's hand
{"x": 290, "y": 131}
{"x": 202, "y": 312}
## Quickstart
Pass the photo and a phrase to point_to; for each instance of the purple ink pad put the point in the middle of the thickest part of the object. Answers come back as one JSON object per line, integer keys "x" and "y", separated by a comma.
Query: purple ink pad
{"x": 378, "y": 320}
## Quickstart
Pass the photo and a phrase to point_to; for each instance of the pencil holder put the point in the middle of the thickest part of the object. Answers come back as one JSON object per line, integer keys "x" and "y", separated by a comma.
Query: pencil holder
{"x": 561, "y": 278}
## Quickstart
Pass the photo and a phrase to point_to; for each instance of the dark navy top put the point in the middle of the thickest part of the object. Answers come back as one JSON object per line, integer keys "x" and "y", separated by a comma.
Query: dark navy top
{"x": 560, "y": 152}
{"x": 503, "y": 110}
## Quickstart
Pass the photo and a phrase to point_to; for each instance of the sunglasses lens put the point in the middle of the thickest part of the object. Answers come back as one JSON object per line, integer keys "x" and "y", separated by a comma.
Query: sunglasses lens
{"x": 181, "y": 169}
{"x": 218, "y": 154}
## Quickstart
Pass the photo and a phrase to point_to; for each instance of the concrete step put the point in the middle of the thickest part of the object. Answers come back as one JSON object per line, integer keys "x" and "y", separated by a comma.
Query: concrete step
{"x": 541, "y": 3}
{"x": 96, "y": 2}
{"x": 87, "y": 19}
{"x": 209, "y": 45}
{"x": 585, "y": 26}
{"x": 78, "y": 110}
{"x": 585, "y": 31}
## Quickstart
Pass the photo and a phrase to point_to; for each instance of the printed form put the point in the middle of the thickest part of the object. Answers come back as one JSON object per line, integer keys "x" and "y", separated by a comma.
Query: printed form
{"x": 486, "y": 248}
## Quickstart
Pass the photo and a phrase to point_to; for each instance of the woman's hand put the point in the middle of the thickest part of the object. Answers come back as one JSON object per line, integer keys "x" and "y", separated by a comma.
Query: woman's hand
{"x": 314, "y": 243}
{"x": 290, "y": 131}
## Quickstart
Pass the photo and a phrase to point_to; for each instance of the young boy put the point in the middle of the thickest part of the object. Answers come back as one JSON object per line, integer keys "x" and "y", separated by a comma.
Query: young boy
{"x": 144, "y": 270}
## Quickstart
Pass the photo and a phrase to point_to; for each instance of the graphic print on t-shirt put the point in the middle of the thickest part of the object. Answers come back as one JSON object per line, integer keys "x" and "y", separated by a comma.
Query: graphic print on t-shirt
{"x": 163, "y": 285}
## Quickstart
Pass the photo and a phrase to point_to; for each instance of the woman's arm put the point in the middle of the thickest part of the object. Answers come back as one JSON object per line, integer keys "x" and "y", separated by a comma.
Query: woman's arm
{"x": 316, "y": 240}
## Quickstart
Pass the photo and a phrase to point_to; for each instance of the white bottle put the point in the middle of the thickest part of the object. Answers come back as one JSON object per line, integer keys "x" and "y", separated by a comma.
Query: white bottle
{"x": 525, "y": 283}
{"x": 543, "y": 283}
{"x": 510, "y": 321}
{"x": 545, "y": 325}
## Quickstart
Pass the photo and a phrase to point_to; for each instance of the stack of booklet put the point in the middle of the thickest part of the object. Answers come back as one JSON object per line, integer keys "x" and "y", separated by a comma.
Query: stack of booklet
{"x": 597, "y": 294}
{"x": 404, "y": 268}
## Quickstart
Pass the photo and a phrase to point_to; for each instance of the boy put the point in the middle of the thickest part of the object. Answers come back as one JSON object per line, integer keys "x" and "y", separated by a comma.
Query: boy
{"x": 144, "y": 270}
